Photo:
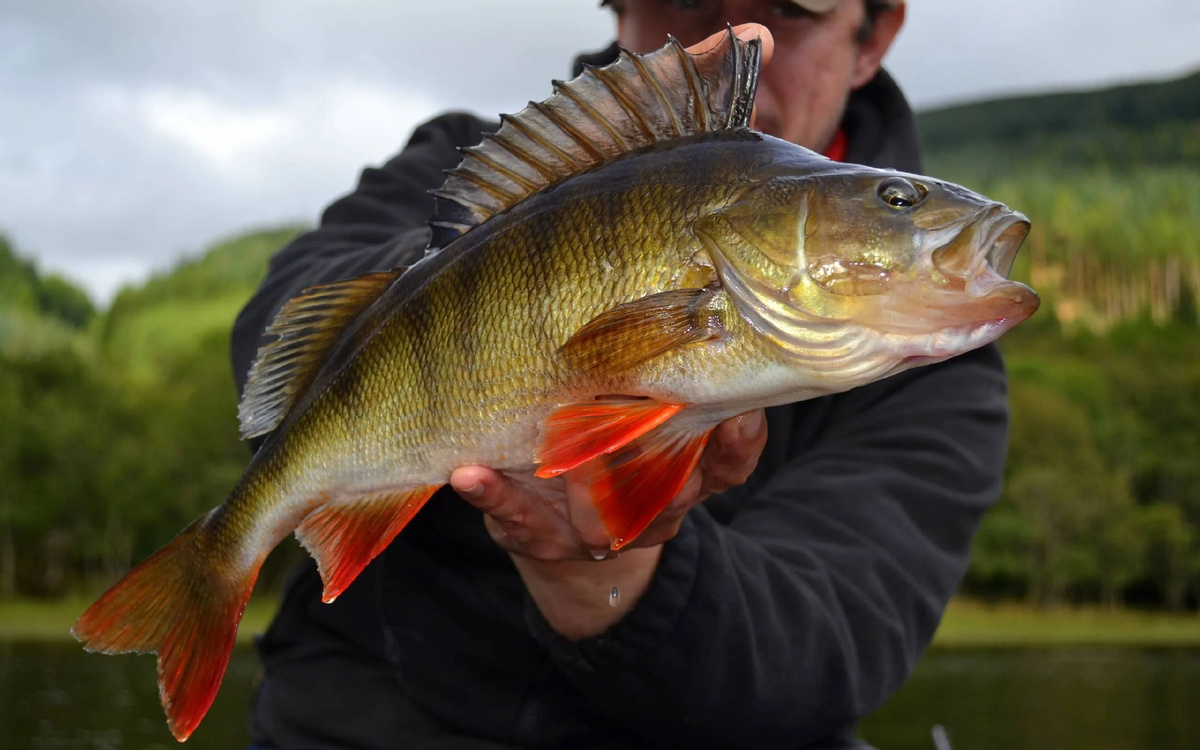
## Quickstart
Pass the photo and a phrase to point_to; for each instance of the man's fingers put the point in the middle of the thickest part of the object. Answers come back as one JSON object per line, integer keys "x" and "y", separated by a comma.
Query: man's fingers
{"x": 480, "y": 486}
{"x": 513, "y": 510}
{"x": 734, "y": 450}
{"x": 747, "y": 32}
{"x": 525, "y": 520}
{"x": 522, "y": 521}
{"x": 732, "y": 453}
{"x": 584, "y": 517}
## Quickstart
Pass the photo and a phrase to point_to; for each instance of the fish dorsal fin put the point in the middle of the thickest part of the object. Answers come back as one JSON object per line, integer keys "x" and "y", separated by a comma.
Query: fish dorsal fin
{"x": 604, "y": 113}
{"x": 304, "y": 331}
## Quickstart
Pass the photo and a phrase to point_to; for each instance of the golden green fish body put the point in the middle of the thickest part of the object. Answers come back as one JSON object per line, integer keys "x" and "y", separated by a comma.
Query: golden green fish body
{"x": 461, "y": 360}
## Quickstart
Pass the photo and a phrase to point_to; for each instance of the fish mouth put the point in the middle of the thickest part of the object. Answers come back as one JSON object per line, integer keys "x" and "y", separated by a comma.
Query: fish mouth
{"x": 989, "y": 281}
{"x": 1006, "y": 236}
{"x": 978, "y": 261}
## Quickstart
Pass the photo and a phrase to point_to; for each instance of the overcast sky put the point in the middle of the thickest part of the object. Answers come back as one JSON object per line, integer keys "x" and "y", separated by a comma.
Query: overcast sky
{"x": 133, "y": 132}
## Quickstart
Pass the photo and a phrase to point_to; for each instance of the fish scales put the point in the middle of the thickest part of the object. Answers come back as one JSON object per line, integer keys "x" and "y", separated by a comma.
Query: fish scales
{"x": 419, "y": 369}
{"x": 632, "y": 291}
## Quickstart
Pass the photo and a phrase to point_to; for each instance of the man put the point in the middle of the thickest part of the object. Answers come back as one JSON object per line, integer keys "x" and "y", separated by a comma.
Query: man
{"x": 774, "y": 614}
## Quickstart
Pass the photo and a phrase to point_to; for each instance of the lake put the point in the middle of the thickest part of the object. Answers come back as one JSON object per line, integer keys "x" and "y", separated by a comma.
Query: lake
{"x": 54, "y": 695}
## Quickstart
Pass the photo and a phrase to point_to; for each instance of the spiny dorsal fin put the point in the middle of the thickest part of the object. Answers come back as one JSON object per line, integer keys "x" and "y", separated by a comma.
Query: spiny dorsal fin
{"x": 305, "y": 329}
{"x": 606, "y": 112}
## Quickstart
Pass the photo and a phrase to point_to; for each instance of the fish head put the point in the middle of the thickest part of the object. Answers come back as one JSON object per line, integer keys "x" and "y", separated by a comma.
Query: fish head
{"x": 867, "y": 269}
{"x": 905, "y": 254}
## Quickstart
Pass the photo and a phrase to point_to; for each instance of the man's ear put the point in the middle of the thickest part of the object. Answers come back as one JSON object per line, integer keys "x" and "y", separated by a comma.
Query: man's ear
{"x": 883, "y": 33}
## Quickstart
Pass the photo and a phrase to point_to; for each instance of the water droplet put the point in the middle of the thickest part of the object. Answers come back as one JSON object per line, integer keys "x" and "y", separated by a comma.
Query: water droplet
{"x": 614, "y": 597}
{"x": 599, "y": 554}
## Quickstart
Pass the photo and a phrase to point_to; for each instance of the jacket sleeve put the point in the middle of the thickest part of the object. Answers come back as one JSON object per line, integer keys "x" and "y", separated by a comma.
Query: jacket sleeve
{"x": 380, "y": 226}
{"x": 809, "y": 605}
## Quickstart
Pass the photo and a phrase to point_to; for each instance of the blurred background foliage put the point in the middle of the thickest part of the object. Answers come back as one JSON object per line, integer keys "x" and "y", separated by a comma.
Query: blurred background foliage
{"x": 119, "y": 425}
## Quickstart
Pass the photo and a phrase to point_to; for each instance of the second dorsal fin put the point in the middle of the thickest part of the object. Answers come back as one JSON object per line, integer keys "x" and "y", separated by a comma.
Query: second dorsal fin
{"x": 304, "y": 330}
{"x": 604, "y": 113}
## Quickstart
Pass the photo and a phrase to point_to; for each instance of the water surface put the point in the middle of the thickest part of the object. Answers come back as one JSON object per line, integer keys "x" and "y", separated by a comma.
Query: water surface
{"x": 54, "y": 695}
{"x": 1047, "y": 699}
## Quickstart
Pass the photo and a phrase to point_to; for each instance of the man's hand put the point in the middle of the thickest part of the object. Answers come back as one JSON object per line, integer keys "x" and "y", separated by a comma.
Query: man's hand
{"x": 553, "y": 520}
{"x": 553, "y": 534}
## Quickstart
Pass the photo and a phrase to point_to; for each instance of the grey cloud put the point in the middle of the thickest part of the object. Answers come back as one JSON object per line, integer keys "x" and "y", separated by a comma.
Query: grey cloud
{"x": 135, "y": 130}
{"x": 959, "y": 50}
{"x": 463, "y": 50}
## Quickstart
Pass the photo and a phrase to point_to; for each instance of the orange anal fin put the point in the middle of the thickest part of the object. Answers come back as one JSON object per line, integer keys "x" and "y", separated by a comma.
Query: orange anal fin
{"x": 347, "y": 533}
{"x": 576, "y": 433}
{"x": 184, "y": 604}
{"x": 630, "y": 488}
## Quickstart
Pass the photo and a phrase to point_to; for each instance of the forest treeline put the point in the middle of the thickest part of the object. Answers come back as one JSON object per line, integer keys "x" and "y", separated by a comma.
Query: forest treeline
{"x": 119, "y": 425}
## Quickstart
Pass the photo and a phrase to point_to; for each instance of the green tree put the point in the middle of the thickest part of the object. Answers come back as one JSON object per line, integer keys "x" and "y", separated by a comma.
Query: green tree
{"x": 1120, "y": 545}
{"x": 59, "y": 298}
{"x": 1059, "y": 482}
{"x": 1170, "y": 551}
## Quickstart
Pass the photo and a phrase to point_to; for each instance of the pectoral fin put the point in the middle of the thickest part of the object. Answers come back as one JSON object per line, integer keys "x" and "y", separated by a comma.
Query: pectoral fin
{"x": 638, "y": 331}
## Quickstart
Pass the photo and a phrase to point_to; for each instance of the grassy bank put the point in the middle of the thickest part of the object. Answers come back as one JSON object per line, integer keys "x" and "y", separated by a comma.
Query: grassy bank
{"x": 974, "y": 624}
{"x": 968, "y": 624}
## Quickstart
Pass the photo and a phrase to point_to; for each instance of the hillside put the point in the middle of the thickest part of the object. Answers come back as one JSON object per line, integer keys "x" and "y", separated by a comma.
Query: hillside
{"x": 121, "y": 425}
{"x": 1134, "y": 125}
{"x": 163, "y": 318}
{"x": 37, "y": 311}
{"x": 1110, "y": 179}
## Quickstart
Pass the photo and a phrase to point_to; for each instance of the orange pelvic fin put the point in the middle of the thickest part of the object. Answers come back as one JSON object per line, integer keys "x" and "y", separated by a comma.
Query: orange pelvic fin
{"x": 183, "y": 604}
{"x": 576, "y": 433}
{"x": 631, "y": 487}
{"x": 346, "y": 534}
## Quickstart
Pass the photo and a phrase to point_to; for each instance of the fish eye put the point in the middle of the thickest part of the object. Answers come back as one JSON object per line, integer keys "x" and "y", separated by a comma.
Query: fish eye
{"x": 899, "y": 193}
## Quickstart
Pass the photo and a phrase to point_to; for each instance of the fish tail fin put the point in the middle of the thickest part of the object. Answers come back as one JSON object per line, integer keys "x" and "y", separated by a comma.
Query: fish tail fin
{"x": 184, "y": 603}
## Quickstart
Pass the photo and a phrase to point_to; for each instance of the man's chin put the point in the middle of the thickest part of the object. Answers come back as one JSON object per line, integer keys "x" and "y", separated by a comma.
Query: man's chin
{"x": 775, "y": 128}
{"x": 768, "y": 125}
